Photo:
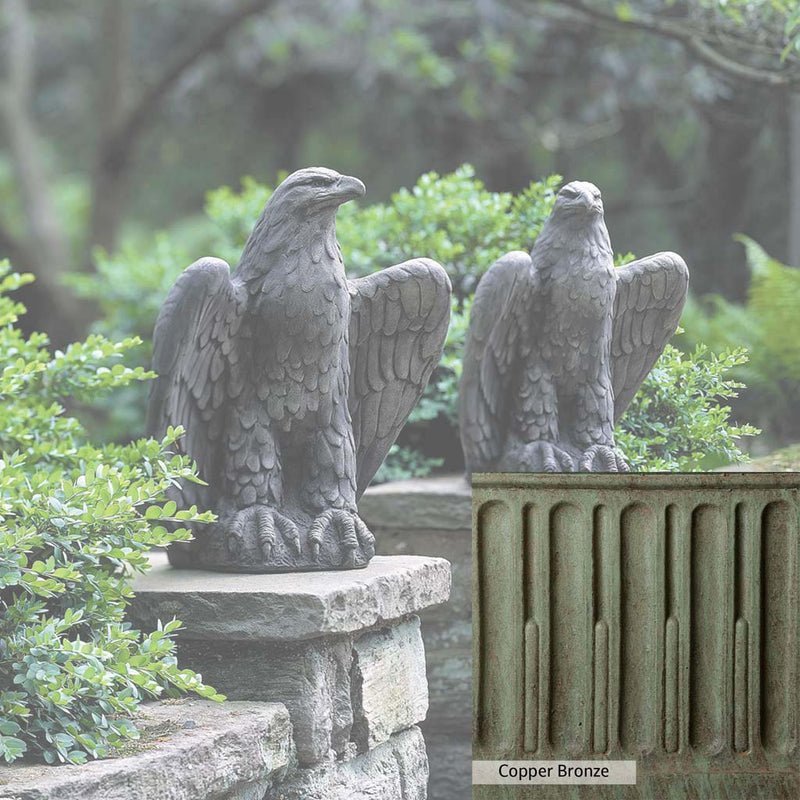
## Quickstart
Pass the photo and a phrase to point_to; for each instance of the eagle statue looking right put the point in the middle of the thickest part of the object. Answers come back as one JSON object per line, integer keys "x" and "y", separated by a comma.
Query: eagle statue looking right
{"x": 291, "y": 383}
{"x": 559, "y": 342}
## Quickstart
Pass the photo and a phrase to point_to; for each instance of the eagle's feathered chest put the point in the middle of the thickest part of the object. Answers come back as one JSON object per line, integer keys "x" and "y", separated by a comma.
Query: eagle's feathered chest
{"x": 575, "y": 307}
{"x": 582, "y": 281}
{"x": 578, "y": 282}
{"x": 298, "y": 320}
{"x": 307, "y": 305}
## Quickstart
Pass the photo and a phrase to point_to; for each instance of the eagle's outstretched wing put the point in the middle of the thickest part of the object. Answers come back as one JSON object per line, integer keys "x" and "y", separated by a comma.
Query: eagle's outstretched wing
{"x": 489, "y": 356}
{"x": 648, "y": 305}
{"x": 398, "y": 326}
{"x": 195, "y": 356}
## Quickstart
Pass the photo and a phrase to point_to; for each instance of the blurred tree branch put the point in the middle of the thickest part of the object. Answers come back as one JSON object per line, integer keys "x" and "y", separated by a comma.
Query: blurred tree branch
{"x": 119, "y": 120}
{"x": 110, "y": 186}
{"x": 758, "y": 50}
{"x": 697, "y": 41}
{"x": 128, "y": 122}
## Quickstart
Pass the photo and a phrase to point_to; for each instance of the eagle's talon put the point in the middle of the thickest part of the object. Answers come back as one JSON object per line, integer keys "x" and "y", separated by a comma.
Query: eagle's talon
{"x": 541, "y": 456}
{"x": 234, "y": 539}
{"x": 265, "y": 525}
{"x": 289, "y": 531}
{"x": 603, "y": 458}
{"x": 261, "y": 522}
{"x": 351, "y": 532}
{"x": 365, "y": 537}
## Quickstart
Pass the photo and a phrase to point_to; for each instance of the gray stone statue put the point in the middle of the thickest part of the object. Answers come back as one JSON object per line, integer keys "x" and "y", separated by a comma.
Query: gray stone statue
{"x": 559, "y": 342}
{"x": 292, "y": 383}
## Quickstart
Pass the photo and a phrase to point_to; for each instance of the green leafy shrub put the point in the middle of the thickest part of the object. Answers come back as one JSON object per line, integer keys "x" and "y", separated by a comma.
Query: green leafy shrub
{"x": 451, "y": 218}
{"x": 75, "y": 521}
{"x": 675, "y": 423}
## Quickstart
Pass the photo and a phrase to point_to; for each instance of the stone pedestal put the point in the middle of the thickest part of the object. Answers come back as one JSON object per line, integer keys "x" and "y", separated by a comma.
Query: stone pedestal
{"x": 427, "y": 517}
{"x": 341, "y": 650}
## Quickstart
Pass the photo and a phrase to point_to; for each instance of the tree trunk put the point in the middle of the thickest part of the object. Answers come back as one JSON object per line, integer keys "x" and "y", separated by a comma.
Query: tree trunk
{"x": 45, "y": 251}
{"x": 126, "y": 122}
{"x": 110, "y": 171}
{"x": 793, "y": 256}
{"x": 716, "y": 212}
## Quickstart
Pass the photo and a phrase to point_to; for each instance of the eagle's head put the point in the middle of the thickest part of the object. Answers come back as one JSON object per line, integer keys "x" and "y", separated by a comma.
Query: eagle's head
{"x": 578, "y": 200}
{"x": 315, "y": 190}
{"x": 300, "y": 215}
{"x": 576, "y": 221}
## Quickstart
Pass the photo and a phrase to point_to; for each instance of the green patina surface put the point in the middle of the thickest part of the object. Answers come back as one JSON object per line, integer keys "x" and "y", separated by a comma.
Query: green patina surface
{"x": 650, "y": 616}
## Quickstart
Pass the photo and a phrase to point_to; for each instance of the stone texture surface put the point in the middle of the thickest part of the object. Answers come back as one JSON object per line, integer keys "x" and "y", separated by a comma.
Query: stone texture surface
{"x": 364, "y": 616}
{"x": 287, "y": 607}
{"x": 447, "y": 628}
{"x": 389, "y": 685}
{"x": 233, "y": 751}
{"x": 338, "y": 689}
{"x": 311, "y": 679}
{"x": 394, "y": 770}
{"x": 420, "y": 503}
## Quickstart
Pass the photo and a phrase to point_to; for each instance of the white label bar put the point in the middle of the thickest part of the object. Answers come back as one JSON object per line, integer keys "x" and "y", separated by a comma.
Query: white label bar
{"x": 526, "y": 773}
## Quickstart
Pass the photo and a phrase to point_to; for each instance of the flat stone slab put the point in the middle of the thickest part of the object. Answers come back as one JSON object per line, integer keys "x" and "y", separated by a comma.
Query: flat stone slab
{"x": 440, "y": 503}
{"x": 291, "y": 606}
{"x": 199, "y": 749}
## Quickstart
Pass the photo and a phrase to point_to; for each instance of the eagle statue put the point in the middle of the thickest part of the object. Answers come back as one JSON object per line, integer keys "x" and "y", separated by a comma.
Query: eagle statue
{"x": 291, "y": 383}
{"x": 559, "y": 342}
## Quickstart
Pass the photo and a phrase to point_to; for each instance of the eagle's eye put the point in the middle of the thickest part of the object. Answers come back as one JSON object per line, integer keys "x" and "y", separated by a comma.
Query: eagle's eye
{"x": 569, "y": 193}
{"x": 316, "y": 181}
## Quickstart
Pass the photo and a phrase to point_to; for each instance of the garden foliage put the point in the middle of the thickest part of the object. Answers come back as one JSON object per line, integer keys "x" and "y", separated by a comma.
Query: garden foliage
{"x": 676, "y": 422}
{"x": 768, "y": 327}
{"x": 75, "y": 521}
{"x": 457, "y": 221}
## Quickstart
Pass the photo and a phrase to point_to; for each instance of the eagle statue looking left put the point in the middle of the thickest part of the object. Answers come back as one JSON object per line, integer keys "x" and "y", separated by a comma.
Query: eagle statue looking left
{"x": 291, "y": 383}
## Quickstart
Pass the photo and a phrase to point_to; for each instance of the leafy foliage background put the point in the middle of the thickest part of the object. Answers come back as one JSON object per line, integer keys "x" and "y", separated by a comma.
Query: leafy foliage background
{"x": 768, "y": 326}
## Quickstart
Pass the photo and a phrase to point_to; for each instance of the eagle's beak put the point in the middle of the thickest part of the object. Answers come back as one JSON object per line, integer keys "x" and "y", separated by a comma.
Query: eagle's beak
{"x": 348, "y": 188}
{"x": 592, "y": 206}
